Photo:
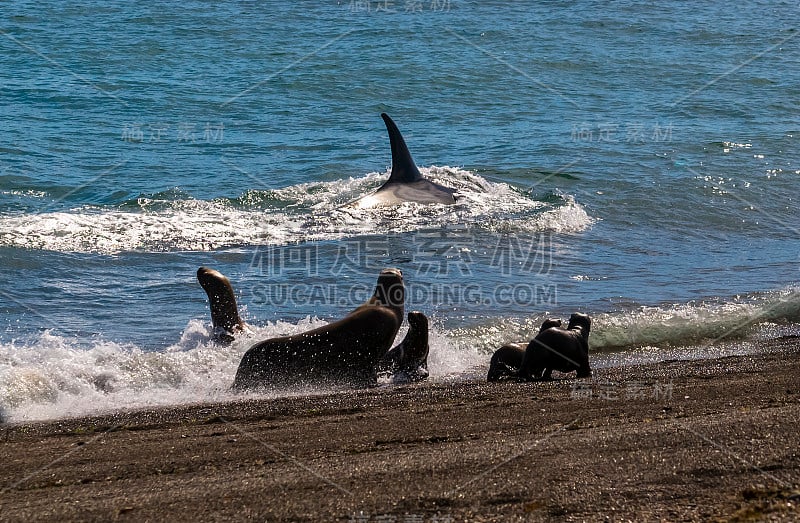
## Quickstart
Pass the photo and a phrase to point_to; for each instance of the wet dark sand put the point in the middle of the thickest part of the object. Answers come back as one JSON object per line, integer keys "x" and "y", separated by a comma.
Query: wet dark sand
{"x": 699, "y": 440}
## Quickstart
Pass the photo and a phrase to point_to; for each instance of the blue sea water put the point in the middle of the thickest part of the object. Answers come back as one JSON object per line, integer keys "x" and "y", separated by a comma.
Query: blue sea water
{"x": 638, "y": 161}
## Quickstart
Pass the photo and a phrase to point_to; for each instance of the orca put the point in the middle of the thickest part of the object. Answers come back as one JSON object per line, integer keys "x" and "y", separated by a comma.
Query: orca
{"x": 405, "y": 183}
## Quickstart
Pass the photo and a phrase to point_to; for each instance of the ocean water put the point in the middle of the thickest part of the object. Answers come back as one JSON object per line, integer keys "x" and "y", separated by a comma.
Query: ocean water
{"x": 636, "y": 161}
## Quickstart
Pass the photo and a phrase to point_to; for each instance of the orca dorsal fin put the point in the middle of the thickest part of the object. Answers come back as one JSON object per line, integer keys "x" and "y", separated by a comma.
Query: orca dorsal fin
{"x": 404, "y": 170}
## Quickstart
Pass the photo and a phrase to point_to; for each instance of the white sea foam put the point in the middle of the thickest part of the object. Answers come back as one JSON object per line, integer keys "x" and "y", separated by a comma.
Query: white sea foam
{"x": 702, "y": 323}
{"x": 57, "y": 377}
{"x": 304, "y": 212}
{"x": 640, "y": 334}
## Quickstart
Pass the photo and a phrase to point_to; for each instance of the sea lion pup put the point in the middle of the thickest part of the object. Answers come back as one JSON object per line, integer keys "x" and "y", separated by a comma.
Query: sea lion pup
{"x": 343, "y": 352}
{"x": 408, "y": 361}
{"x": 564, "y": 350}
{"x": 507, "y": 360}
{"x": 224, "y": 311}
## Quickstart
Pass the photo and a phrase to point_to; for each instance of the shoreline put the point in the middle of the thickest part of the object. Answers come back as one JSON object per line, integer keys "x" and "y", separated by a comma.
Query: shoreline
{"x": 712, "y": 439}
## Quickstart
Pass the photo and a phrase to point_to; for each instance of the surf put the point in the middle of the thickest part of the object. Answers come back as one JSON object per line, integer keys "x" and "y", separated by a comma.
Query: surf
{"x": 48, "y": 375}
{"x": 175, "y": 221}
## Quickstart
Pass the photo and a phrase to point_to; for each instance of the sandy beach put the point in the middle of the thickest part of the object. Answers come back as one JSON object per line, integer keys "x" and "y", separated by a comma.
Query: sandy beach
{"x": 677, "y": 441}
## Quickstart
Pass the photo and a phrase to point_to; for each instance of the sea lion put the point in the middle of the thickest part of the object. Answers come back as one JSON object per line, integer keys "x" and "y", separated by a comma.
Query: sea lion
{"x": 564, "y": 350}
{"x": 507, "y": 360}
{"x": 343, "y": 352}
{"x": 224, "y": 311}
{"x": 408, "y": 361}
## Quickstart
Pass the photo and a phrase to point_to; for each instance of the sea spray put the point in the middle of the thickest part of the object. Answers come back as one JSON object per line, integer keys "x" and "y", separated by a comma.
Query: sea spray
{"x": 174, "y": 221}
{"x": 660, "y": 327}
{"x": 53, "y": 376}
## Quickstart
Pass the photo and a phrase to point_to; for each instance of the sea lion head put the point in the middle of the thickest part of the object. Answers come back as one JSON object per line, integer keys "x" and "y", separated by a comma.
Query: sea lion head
{"x": 418, "y": 321}
{"x": 210, "y": 278}
{"x": 224, "y": 311}
{"x": 549, "y": 323}
{"x": 580, "y": 321}
{"x": 390, "y": 291}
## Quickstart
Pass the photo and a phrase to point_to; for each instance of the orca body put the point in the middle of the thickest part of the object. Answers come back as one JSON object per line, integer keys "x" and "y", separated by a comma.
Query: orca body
{"x": 405, "y": 183}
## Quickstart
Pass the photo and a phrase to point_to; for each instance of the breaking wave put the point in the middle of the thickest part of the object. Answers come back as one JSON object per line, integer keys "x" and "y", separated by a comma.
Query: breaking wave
{"x": 174, "y": 221}
{"x": 52, "y": 376}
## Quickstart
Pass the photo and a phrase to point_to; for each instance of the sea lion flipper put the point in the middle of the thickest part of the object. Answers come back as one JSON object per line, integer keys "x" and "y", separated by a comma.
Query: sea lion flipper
{"x": 408, "y": 361}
